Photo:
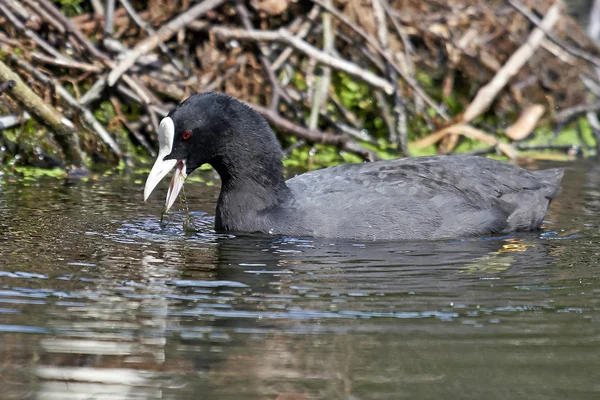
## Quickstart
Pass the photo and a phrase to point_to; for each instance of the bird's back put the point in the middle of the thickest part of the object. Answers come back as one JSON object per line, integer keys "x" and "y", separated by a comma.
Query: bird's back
{"x": 421, "y": 198}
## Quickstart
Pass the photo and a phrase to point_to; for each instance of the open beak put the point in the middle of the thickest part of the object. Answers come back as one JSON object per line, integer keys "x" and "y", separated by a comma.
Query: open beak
{"x": 162, "y": 167}
{"x": 176, "y": 184}
{"x": 159, "y": 170}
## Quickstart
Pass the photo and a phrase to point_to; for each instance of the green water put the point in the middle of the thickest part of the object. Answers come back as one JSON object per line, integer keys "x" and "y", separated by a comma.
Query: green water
{"x": 98, "y": 301}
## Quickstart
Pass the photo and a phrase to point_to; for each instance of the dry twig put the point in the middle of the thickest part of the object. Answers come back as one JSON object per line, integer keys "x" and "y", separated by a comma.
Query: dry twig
{"x": 486, "y": 95}
{"x": 163, "y": 34}
{"x": 470, "y": 132}
{"x": 63, "y": 129}
{"x": 286, "y": 37}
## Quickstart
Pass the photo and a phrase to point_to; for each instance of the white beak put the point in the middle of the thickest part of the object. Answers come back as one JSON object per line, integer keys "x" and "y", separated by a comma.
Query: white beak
{"x": 161, "y": 167}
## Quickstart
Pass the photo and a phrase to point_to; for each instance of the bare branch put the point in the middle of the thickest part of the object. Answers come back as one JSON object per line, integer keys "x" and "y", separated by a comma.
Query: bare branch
{"x": 408, "y": 79}
{"x": 470, "y": 132}
{"x": 311, "y": 51}
{"x": 288, "y": 127}
{"x": 569, "y": 49}
{"x": 162, "y": 35}
{"x": 63, "y": 129}
{"x": 486, "y": 95}
{"x": 64, "y": 93}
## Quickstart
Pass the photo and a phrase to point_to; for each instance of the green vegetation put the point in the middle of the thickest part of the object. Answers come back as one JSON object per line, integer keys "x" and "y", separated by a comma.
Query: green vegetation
{"x": 73, "y": 7}
{"x": 30, "y": 152}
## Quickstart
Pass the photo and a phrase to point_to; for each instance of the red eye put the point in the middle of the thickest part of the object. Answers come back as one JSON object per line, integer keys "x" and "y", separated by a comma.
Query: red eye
{"x": 186, "y": 135}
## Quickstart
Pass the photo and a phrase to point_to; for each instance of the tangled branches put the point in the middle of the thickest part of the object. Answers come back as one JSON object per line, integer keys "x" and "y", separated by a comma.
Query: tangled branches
{"x": 361, "y": 76}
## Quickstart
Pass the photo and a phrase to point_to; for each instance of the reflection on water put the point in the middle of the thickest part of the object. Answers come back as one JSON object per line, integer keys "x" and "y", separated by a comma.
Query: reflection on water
{"x": 98, "y": 301}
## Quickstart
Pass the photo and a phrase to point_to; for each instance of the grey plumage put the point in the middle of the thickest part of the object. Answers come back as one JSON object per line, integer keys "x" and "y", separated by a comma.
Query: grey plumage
{"x": 410, "y": 198}
{"x": 421, "y": 198}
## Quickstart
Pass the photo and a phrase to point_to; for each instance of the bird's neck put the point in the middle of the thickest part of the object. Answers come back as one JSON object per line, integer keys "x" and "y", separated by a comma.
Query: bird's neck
{"x": 250, "y": 187}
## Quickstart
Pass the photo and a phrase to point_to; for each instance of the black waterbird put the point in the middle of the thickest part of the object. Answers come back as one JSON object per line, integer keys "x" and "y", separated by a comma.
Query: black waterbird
{"x": 409, "y": 198}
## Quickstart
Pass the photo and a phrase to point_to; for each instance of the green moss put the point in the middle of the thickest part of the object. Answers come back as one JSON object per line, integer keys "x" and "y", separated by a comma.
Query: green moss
{"x": 467, "y": 145}
{"x": 132, "y": 111}
{"x": 318, "y": 156}
{"x": 454, "y": 106}
{"x": 105, "y": 112}
{"x": 424, "y": 79}
{"x": 420, "y": 152}
{"x": 577, "y": 133}
{"x": 587, "y": 132}
{"x": 70, "y": 88}
{"x": 350, "y": 158}
{"x": 35, "y": 173}
{"x": 10, "y": 134}
{"x": 197, "y": 178}
{"x": 72, "y": 7}
{"x": 121, "y": 166}
{"x": 299, "y": 82}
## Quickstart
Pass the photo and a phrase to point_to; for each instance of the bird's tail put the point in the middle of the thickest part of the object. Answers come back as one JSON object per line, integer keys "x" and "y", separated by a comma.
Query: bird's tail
{"x": 552, "y": 178}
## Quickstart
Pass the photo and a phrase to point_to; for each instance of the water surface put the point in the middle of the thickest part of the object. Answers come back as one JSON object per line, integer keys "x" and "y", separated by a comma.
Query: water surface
{"x": 99, "y": 301}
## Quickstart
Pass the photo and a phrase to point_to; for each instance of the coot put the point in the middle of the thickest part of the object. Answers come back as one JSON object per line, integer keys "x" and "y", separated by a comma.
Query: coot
{"x": 410, "y": 198}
